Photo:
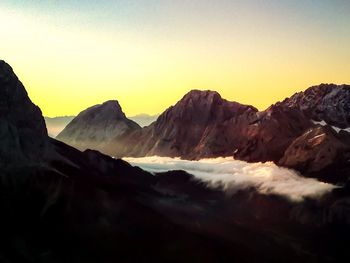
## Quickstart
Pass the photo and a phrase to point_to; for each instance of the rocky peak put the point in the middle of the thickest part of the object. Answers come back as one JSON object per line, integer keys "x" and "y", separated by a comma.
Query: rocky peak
{"x": 97, "y": 126}
{"x": 202, "y": 95}
{"x": 23, "y": 134}
{"x": 192, "y": 127}
{"x": 108, "y": 110}
{"x": 202, "y": 108}
{"x": 325, "y": 102}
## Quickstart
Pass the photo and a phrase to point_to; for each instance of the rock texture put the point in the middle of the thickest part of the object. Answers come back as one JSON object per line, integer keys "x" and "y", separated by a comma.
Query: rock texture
{"x": 202, "y": 124}
{"x": 197, "y": 126}
{"x": 325, "y": 102}
{"x": 23, "y": 135}
{"x": 320, "y": 152}
{"x": 97, "y": 127}
{"x": 269, "y": 136}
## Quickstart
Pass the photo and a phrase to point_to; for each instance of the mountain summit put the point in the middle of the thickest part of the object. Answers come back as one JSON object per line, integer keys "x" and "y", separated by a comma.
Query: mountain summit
{"x": 97, "y": 126}
{"x": 186, "y": 128}
{"x": 325, "y": 102}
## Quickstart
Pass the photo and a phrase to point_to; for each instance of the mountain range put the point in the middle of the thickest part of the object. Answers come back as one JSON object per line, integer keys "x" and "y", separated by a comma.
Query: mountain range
{"x": 59, "y": 204}
{"x": 204, "y": 125}
{"x": 56, "y": 124}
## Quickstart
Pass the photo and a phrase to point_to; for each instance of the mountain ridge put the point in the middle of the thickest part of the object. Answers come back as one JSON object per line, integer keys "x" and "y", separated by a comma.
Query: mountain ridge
{"x": 204, "y": 125}
{"x": 71, "y": 206}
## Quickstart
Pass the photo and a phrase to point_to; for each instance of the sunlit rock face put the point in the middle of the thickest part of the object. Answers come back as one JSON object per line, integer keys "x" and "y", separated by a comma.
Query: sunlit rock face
{"x": 97, "y": 127}
{"x": 202, "y": 125}
{"x": 320, "y": 151}
{"x": 199, "y": 125}
{"x": 325, "y": 102}
{"x": 269, "y": 136}
{"x": 23, "y": 135}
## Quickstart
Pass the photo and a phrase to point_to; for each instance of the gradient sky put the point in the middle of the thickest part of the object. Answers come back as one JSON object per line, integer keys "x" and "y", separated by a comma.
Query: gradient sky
{"x": 149, "y": 53}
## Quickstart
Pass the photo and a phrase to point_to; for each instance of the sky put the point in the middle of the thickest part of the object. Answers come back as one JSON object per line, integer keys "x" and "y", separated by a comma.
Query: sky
{"x": 148, "y": 53}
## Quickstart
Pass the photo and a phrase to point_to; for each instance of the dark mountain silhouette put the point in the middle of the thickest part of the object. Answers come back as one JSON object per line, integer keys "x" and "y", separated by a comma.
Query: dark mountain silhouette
{"x": 59, "y": 204}
{"x": 98, "y": 126}
{"x": 23, "y": 135}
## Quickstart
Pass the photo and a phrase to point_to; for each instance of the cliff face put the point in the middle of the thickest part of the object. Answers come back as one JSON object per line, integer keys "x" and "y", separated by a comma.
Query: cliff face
{"x": 187, "y": 129}
{"x": 202, "y": 124}
{"x": 320, "y": 152}
{"x": 97, "y": 127}
{"x": 23, "y": 135}
{"x": 325, "y": 102}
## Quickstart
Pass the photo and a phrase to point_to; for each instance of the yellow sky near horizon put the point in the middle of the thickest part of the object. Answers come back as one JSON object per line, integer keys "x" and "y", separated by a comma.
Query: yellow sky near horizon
{"x": 257, "y": 58}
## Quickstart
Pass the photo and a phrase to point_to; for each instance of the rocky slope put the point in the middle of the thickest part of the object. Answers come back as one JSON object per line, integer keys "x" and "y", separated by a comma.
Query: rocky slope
{"x": 320, "y": 152}
{"x": 325, "y": 102}
{"x": 97, "y": 126}
{"x": 202, "y": 124}
{"x": 65, "y": 205}
{"x": 184, "y": 129}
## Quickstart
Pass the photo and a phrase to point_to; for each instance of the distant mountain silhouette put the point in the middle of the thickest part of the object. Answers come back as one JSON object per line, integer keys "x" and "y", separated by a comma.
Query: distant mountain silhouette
{"x": 97, "y": 127}
{"x": 59, "y": 204}
{"x": 144, "y": 119}
{"x": 56, "y": 124}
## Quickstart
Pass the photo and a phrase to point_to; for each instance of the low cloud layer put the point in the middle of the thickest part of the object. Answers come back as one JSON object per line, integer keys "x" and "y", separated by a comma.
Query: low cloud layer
{"x": 232, "y": 175}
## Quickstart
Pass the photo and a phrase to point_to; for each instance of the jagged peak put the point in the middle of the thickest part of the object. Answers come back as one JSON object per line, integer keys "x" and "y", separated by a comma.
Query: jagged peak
{"x": 108, "y": 109}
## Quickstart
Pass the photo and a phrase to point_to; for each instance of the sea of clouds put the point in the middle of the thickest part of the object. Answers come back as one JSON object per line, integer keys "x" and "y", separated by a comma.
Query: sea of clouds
{"x": 231, "y": 175}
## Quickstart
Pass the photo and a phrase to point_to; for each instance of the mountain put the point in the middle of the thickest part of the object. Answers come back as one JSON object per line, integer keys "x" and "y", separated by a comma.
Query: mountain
{"x": 320, "y": 152}
{"x": 144, "y": 119}
{"x": 56, "y": 124}
{"x": 23, "y": 135}
{"x": 59, "y": 204}
{"x": 98, "y": 126}
{"x": 203, "y": 125}
{"x": 183, "y": 129}
{"x": 325, "y": 102}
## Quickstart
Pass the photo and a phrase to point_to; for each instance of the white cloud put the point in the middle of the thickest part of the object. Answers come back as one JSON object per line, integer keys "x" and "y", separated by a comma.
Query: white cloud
{"x": 232, "y": 175}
